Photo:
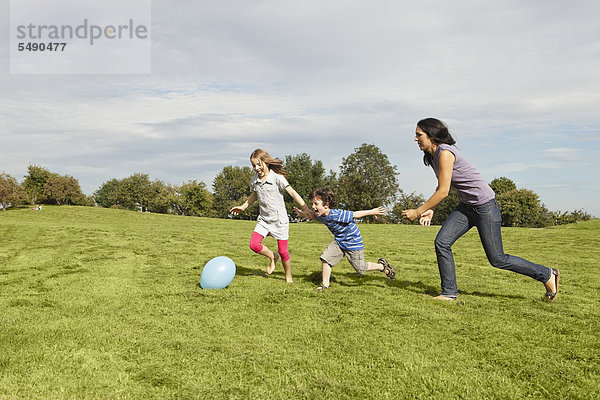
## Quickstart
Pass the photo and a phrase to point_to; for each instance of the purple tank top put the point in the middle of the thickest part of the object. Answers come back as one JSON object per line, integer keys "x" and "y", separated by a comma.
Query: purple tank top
{"x": 469, "y": 184}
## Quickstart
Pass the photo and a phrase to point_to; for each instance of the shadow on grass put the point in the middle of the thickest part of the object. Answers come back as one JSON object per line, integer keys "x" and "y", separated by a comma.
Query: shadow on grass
{"x": 351, "y": 279}
{"x": 372, "y": 279}
{"x": 16, "y": 208}
{"x": 244, "y": 271}
{"x": 482, "y": 294}
{"x": 239, "y": 269}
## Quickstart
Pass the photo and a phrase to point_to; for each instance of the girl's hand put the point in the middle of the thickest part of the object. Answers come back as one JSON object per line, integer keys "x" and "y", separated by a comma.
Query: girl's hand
{"x": 300, "y": 213}
{"x": 426, "y": 217}
{"x": 307, "y": 210}
{"x": 411, "y": 214}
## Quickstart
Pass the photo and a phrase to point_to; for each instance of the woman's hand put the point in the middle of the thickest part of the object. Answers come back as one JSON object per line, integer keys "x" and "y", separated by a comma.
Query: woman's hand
{"x": 411, "y": 214}
{"x": 426, "y": 217}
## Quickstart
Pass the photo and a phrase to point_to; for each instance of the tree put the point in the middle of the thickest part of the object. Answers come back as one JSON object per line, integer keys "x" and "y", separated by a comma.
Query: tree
{"x": 43, "y": 186}
{"x": 34, "y": 183}
{"x": 561, "y": 218}
{"x": 331, "y": 181}
{"x": 521, "y": 208}
{"x": 232, "y": 187}
{"x": 304, "y": 175}
{"x": 11, "y": 192}
{"x": 62, "y": 190}
{"x": 192, "y": 198}
{"x": 367, "y": 179}
{"x": 162, "y": 198}
{"x": 109, "y": 194}
{"x": 136, "y": 192}
{"x": 502, "y": 185}
{"x": 139, "y": 191}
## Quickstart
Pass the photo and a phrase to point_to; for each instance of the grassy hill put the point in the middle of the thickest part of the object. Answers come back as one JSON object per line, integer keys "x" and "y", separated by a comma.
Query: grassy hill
{"x": 105, "y": 304}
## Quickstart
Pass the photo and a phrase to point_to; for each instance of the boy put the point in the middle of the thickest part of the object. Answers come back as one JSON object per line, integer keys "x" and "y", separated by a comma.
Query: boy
{"x": 347, "y": 238}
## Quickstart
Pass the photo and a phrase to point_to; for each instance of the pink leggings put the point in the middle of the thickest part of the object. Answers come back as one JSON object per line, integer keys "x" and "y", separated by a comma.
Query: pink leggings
{"x": 282, "y": 246}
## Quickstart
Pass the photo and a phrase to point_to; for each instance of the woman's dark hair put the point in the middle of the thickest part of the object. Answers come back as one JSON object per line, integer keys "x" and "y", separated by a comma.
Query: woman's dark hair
{"x": 438, "y": 133}
{"x": 325, "y": 194}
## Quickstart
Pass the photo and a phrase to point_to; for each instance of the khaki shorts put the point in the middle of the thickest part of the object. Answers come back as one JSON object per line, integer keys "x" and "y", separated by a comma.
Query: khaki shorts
{"x": 333, "y": 254}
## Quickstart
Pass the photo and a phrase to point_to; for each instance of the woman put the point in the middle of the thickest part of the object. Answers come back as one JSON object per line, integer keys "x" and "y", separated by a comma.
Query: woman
{"x": 478, "y": 207}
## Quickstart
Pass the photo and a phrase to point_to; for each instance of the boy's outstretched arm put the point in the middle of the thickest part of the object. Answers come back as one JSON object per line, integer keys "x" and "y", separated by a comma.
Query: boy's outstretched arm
{"x": 375, "y": 211}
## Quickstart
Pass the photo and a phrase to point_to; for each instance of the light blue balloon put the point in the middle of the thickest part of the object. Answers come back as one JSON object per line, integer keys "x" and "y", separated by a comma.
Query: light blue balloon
{"x": 217, "y": 273}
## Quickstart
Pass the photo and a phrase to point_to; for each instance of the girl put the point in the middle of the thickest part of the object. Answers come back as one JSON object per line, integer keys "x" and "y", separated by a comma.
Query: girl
{"x": 478, "y": 207}
{"x": 268, "y": 186}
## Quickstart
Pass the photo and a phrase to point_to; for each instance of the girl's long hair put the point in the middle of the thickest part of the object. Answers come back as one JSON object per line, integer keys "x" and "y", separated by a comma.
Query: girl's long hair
{"x": 274, "y": 164}
{"x": 438, "y": 133}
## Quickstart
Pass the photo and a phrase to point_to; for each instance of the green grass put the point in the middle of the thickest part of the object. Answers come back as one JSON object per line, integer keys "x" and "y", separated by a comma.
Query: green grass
{"x": 105, "y": 304}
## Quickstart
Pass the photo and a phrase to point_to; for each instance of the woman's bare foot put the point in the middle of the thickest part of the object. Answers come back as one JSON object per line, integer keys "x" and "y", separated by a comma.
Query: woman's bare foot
{"x": 273, "y": 264}
{"x": 552, "y": 285}
{"x": 445, "y": 298}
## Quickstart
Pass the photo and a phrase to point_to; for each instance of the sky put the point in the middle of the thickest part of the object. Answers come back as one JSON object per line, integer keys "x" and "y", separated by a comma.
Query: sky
{"x": 518, "y": 84}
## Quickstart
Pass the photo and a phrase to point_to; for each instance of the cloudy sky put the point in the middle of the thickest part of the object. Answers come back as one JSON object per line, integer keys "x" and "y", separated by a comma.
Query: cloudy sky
{"x": 517, "y": 82}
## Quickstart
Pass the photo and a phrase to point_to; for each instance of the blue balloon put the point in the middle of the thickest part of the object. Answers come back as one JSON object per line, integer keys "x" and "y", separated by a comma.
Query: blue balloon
{"x": 217, "y": 273}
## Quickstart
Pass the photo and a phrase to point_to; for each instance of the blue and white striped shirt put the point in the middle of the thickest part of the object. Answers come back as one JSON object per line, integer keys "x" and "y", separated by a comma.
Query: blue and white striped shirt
{"x": 345, "y": 232}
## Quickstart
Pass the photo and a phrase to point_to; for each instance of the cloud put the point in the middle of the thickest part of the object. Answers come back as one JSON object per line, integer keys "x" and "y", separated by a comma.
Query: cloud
{"x": 517, "y": 82}
{"x": 563, "y": 154}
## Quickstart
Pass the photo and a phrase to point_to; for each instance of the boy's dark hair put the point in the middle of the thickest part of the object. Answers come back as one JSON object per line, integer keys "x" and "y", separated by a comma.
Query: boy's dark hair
{"x": 326, "y": 195}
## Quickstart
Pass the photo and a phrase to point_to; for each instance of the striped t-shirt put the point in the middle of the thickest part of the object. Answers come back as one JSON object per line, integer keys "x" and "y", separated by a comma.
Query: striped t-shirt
{"x": 345, "y": 232}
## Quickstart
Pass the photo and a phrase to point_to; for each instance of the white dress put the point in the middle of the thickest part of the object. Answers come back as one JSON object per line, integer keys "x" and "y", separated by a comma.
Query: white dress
{"x": 272, "y": 217}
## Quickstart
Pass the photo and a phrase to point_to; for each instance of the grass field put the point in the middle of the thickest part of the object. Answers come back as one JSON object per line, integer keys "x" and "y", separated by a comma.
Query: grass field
{"x": 105, "y": 304}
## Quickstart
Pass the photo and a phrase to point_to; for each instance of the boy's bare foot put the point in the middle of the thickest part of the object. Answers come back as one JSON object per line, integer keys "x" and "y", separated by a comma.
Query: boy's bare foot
{"x": 273, "y": 263}
{"x": 289, "y": 279}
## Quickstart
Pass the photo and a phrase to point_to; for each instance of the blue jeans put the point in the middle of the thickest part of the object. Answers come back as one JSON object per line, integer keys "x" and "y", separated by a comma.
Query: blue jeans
{"x": 487, "y": 219}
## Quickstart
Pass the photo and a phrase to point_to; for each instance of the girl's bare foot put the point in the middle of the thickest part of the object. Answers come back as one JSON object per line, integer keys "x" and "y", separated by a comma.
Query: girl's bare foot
{"x": 273, "y": 263}
{"x": 287, "y": 268}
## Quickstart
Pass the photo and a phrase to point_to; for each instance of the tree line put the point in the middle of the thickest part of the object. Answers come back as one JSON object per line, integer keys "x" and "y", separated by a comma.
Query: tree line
{"x": 366, "y": 180}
